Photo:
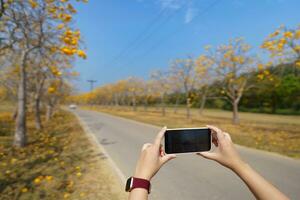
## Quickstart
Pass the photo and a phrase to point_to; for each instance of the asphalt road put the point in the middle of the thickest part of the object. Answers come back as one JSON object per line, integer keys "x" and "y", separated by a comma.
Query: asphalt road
{"x": 188, "y": 176}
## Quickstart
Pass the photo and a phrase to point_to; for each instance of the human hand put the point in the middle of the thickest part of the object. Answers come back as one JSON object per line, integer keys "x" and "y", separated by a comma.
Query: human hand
{"x": 152, "y": 158}
{"x": 225, "y": 152}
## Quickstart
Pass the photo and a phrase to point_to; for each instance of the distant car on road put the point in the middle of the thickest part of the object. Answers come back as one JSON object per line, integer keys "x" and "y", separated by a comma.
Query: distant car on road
{"x": 72, "y": 106}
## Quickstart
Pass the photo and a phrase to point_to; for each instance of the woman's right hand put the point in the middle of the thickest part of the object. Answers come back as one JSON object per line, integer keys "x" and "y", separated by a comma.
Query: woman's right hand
{"x": 225, "y": 152}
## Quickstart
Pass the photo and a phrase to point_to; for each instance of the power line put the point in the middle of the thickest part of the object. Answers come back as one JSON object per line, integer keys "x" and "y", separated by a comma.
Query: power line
{"x": 133, "y": 45}
{"x": 157, "y": 28}
{"x": 139, "y": 36}
{"x": 168, "y": 36}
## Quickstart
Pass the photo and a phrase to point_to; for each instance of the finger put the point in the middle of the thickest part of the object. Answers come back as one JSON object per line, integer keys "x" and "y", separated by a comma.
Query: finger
{"x": 168, "y": 157}
{"x": 161, "y": 151}
{"x": 220, "y": 134}
{"x": 227, "y": 135}
{"x": 215, "y": 139}
{"x": 213, "y": 128}
{"x": 145, "y": 146}
{"x": 160, "y": 136}
{"x": 213, "y": 132}
{"x": 208, "y": 155}
{"x": 215, "y": 142}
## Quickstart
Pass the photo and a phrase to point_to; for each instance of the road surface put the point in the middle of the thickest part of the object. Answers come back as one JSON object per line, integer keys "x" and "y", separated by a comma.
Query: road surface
{"x": 187, "y": 177}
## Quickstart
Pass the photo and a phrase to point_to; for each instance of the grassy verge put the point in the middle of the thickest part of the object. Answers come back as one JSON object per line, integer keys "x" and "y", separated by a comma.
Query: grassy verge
{"x": 58, "y": 163}
{"x": 273, "y": 133}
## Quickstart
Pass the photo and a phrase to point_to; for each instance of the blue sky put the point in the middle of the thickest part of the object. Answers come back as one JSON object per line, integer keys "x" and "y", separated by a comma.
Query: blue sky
{"x": 134, "y": 37}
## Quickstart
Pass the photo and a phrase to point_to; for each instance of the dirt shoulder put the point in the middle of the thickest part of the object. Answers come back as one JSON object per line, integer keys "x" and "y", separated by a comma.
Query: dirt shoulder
{"x": 59, "y": 162}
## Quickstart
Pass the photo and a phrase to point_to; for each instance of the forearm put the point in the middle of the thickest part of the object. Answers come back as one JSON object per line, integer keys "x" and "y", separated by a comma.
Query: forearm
{"x": 259, "y": 187}
{"x": 138, "y": 194}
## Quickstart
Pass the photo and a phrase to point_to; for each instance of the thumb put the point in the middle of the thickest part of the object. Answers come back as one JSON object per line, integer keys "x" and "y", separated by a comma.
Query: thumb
{"x": 208, "y": 155}
{"x": 168, "y": 157}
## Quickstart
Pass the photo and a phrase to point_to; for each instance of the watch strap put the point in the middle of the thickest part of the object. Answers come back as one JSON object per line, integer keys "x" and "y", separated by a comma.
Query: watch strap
{"x": 138, "y": 183}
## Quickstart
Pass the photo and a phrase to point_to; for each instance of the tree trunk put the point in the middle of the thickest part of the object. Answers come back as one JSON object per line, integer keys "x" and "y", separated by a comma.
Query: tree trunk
{"x": 235, "y": 118}
{"x": 133, "y": 104}
{"x": 20, "y": 139}
{"x": 274, "y": 108}
{"x": 163, "y": 107}
{"x": 37, "y": 104}
{"x": 176, "y": 104}
{"x": 273, "y": 103}
{"x": 49, "y": 112}
{"x": 14, "y": 116}
{"x": 116, "y": 101}
{"x": 157, "y": 107}
{"x": 37, "y": 112}
{"x": 122, "y": 101}
{"x": 203, "y": 101}
{"x": 188, "y": 114}
{"x": 146, "y": 104}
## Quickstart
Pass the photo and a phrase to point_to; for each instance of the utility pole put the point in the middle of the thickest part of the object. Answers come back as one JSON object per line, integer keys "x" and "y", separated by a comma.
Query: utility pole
{"x": 91, "y": 85}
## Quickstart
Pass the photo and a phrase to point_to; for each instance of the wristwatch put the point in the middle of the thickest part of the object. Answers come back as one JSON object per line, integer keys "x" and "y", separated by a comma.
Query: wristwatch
{"x": 133, "y": 182}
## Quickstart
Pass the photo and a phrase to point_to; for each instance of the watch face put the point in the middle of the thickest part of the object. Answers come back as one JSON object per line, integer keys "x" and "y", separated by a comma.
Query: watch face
{"x": 128, "y": 184}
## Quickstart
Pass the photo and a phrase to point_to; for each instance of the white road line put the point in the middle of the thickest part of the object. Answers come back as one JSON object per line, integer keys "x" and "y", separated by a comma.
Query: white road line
{"x": 93, "y": 139}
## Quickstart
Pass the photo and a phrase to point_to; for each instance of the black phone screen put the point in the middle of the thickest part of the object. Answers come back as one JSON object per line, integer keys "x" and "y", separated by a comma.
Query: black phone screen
{"x": 187, "y": 140}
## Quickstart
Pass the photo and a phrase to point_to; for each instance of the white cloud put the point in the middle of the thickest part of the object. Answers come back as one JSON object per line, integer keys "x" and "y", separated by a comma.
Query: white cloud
{"x": 171, "y": 4}
{"x": 186, "y": 5}
{"x": 190, "y": 14}
{"x": 189, "y": 8}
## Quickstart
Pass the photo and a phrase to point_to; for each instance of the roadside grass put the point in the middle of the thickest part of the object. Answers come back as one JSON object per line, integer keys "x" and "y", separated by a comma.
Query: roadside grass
{"x": 274, "y": 133}
{"x": 59, "y": 162}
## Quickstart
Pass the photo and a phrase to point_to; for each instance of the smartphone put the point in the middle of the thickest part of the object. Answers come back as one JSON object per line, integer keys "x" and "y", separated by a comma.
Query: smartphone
{"x": 187, "y": 140}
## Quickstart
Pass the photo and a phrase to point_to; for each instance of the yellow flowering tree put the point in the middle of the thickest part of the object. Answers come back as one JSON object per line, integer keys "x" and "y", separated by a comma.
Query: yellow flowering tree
{"x": 30, "y": 29}
{"x": 284, "y": 46}
{"x": 203, "y": 67}
{"x": 183, "y": 70}
{"x": 162, "y": 86}
{"x": 135, "y": 89}
{"x": 149, "y": 93}
{"x": 119, "y": 90}
{"x": 233, "y": 64}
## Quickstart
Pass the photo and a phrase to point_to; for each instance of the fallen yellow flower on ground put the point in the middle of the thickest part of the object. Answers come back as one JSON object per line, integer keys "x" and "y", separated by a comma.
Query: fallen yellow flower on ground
{"x": 66, "y": 195}
{"x": 78, "y": 174}
{"x": 37, "y": 181}
{"x": 49, "y": 178}
{"x": 82, "y": 194}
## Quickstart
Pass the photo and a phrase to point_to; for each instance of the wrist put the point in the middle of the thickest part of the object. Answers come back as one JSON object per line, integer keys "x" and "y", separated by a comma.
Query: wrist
{"x": 239, "y": 167}
{"x": 142, "y": 176}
